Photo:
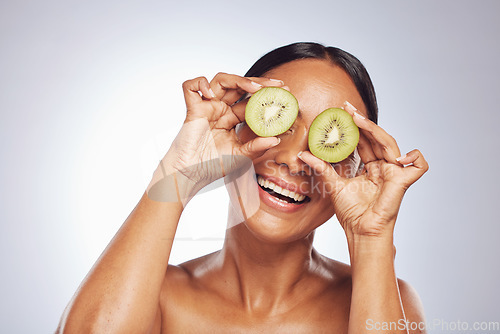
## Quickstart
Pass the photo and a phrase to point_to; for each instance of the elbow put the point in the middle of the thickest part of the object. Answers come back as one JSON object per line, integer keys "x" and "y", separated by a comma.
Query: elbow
{"x": 78, "y": 321}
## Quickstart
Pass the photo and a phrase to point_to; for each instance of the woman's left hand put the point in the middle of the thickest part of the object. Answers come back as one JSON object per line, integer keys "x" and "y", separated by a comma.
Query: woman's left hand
{"x": 368, "y": 204}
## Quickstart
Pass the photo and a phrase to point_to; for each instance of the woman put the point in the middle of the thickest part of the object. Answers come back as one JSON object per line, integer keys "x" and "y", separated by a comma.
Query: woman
{"x": 267, "y": 277}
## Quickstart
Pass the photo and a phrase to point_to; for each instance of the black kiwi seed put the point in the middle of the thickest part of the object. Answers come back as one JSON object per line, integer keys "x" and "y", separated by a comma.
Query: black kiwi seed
{"x": 333, "y": 135}
{"x": 271, "y": 111}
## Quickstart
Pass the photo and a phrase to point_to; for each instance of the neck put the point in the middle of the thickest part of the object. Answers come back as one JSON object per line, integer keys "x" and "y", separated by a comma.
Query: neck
{"x": 267, "y": 273}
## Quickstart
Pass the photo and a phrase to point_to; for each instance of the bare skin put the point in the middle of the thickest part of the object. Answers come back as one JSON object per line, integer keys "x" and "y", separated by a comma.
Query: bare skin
{"x": 267, "y": 278}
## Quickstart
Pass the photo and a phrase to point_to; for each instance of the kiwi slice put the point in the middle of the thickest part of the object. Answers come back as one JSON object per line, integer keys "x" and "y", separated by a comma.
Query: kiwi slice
{"x": 333, "y": 135}
{"x": 271, "y": 111}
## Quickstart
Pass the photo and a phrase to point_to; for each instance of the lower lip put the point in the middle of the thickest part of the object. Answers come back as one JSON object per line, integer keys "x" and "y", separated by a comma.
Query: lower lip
{"x": 278, "y": 204}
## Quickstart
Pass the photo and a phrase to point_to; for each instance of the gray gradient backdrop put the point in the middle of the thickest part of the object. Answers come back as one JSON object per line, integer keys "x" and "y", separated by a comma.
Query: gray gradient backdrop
{"x": 90, "y": 97}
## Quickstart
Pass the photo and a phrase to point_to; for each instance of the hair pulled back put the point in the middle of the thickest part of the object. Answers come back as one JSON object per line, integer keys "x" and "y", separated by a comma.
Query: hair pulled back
{"x": 350, "y": 64}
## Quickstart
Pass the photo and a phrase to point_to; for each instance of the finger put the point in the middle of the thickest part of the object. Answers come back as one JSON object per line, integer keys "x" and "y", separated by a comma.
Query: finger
{"x": 331, "y": 180}
{"x": 415, "y": 165}
{"x": 192, "y": 89}
{"x": 230, "y": 87}
{"x": 368, "y": 150}
{"x": 256, "y": 147}
{"x": 384, "y": 145}
{"x": 319, "y": 166}
{"x": 379, "y": 152}
{"x": 229, "y": 118}
{"x": 267, "y": 82}
{"x": 373, "y": 172}
{"x": 365, "y": 150}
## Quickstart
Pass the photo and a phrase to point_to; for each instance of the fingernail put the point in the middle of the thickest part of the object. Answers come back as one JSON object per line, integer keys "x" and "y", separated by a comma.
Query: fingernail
{"x": 401, "y": 158}
{"x": 256, "y": 84}
{"x": 299, "y": 155}
{"x": 350, "y": 106}
{"x": 276, "y": 80}
{"x": 358, "y": 115}
{"x": 211, "y": 92}
{"x": 276, "y": 142}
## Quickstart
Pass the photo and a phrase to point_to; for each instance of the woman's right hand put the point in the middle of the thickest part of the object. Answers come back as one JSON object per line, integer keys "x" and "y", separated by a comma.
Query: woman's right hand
{"x": 208, "y": 133}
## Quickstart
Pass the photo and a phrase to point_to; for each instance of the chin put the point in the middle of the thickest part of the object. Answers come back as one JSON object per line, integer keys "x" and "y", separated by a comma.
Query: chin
{"x": 274, "y": 208}
{"x": 272, "y": 230}
{"x": 272, "y": 227}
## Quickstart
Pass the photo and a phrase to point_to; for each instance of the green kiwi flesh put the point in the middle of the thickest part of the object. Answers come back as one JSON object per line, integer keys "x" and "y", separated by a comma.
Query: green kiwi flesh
{"x": 333, "y": 135}
{"x": 271, "y": 111}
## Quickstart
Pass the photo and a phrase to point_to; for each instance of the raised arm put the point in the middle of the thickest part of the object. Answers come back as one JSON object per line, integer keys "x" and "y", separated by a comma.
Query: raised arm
{"x": 121, "y": 292}
{"x": 367, "y": 206}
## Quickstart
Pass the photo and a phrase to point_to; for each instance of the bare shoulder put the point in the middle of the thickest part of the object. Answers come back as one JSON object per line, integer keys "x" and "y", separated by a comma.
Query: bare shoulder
{"x": 412, "y": 304}
{"x": 339, "y": 272}
{"x": 193, "y": 298}
{"x": 342, "y": 281}
{"x": 186, "y": 282}
{"x": 185, "y": 275}
{"x": 336, "y": 282}
{"x": 409, "y": 295}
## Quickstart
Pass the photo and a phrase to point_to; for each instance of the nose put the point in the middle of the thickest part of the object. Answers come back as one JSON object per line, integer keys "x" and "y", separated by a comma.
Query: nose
{"x": 291, "y": 144}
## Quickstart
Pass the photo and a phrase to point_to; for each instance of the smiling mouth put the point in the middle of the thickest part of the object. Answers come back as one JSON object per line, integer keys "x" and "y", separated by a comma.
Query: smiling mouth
{"x": 280, "y": 193}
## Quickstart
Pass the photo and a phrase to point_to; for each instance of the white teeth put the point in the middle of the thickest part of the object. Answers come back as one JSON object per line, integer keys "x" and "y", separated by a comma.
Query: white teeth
{"x": 285, "y": 192}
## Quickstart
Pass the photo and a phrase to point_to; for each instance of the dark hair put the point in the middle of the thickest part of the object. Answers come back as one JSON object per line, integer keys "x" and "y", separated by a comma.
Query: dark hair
{"x": 353, "y": 67}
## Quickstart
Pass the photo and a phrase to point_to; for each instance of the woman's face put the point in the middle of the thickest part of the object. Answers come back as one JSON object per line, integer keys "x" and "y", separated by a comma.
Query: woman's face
{"x": 317, "y": 85}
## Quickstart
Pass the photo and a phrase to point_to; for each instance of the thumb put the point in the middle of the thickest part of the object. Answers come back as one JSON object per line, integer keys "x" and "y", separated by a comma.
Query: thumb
{"x": 332, "y": 182}
{"x": 256, "y": 147}
{"x": 321, "y": 167}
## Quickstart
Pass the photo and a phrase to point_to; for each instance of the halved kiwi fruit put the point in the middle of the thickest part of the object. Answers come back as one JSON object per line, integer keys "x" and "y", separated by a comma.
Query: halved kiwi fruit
{"x": 271, "y": 111}
{"x": 333, "y": 135}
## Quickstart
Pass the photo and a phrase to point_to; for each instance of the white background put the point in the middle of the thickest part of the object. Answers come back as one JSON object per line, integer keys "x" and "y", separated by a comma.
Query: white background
{"x": 90, "y": 98}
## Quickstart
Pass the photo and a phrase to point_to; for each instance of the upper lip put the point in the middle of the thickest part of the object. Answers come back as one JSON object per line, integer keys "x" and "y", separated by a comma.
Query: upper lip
{"x": 285, "y": 184}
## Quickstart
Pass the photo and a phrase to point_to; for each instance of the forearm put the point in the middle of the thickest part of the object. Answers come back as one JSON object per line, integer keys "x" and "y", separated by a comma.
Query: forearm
{"x": 376, "y": 302}
{"x": 121, "y": 292}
